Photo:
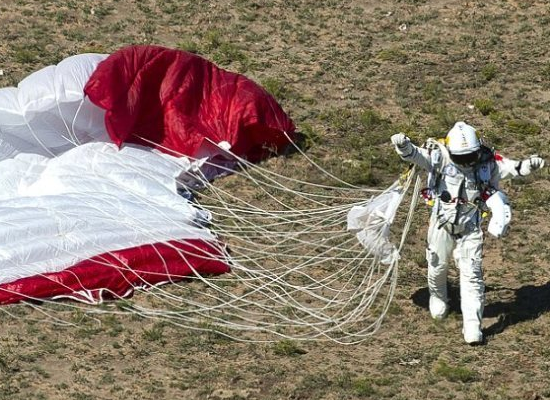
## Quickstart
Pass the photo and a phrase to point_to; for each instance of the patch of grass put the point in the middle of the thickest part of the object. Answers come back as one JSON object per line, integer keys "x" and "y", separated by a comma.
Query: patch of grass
{"x": 489, "y": 72}
{"x": 545, "y": 72}
{"x": 189, "y": 45}
{"x": 276, "y": 87}
{"x": 308, "y": 137}
{"x": 454, "y": 374}
{"x": 531, "y": 197}
{"x": 25, "y": 55}
{"x": 499, "y": 118}
{"x": 288, "y": 348}
{"x": 363, "y": 387}
{"x": 358, "y": 172}
{"x": 484, "y": 106}
{"x": 492, "y": 137}
{"x": 433, "y": 91}
{"x": 371, "y": 119}
{"x": 359, "y": 129}
{"x": 393, "y": 55}
{"x": 443, "y": 118}
{"x": 523, "y": 128}
{"x": 156, "y": 333}
{"x": 228, "y": 53}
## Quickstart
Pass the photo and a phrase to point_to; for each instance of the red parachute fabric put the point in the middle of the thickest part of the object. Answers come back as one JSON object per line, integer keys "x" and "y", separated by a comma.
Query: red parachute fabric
{"x": 117, "y": 274}
{"x": 173, "y": 100}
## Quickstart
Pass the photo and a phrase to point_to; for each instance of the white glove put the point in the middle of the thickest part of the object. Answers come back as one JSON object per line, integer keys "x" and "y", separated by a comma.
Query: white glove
{"x": 531, "y": 164}
{"x": 400, "y": 140}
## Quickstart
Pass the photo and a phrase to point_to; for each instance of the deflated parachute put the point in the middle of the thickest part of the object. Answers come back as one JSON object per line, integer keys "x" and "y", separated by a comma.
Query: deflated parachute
{"x": 89, "y": 209}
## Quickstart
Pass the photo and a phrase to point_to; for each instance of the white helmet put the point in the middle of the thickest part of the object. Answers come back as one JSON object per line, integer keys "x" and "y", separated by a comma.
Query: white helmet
{"x": 463, "y": 144}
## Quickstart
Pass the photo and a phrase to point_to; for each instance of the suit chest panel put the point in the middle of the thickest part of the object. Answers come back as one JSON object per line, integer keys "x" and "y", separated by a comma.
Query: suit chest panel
{"x": 454, "y": 181}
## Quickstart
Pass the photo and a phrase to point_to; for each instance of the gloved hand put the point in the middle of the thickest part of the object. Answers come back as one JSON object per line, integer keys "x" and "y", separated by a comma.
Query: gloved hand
{"x": 400, "y": 140}
{"x": 531, "y": 164}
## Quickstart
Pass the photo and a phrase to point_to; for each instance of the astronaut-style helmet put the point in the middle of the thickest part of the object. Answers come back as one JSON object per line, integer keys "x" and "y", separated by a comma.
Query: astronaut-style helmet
{"x": 463, "y": 144}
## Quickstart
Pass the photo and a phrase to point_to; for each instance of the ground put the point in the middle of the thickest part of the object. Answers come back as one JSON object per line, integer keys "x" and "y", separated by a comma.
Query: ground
{"x": 350, "y": 73}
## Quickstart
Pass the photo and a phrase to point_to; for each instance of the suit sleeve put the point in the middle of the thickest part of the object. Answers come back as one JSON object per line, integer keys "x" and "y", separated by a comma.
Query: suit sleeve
{"x": 506, "y": 167}
{"x": 415, "y": 155}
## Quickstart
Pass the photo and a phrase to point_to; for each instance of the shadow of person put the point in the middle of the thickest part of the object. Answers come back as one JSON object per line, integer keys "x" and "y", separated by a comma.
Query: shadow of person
{"x": 524, "y": 304}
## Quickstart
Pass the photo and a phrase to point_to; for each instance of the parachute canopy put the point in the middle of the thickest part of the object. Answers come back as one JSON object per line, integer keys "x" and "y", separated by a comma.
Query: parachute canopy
{"x": 90, "y": 208}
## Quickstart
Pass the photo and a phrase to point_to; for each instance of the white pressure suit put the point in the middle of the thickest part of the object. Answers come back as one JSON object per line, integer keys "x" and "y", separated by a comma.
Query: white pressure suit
{"x": 458, "y": 196}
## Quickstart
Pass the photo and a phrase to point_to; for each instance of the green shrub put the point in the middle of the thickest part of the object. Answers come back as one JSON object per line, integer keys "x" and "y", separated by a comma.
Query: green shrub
{"x": 545, "y": 73}
{"x": 275, "y": 87}
{"x": 363, "y": 387}
{"x": 489, "y": 72}
{"x": 394, "y": 55}
{"x": 188, "y": 45}
{"x": 287, "y": 348}
{"x": 484, "y": 106}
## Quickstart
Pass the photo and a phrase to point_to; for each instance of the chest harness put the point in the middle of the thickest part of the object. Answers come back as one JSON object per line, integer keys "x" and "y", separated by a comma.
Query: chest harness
{"x": 482, "y": 173}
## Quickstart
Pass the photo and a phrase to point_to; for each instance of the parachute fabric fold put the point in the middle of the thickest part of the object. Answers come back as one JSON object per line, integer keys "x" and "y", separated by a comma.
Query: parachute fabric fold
{"x": 117, "y": 274}
{"x": 47, "y": 113}
{"x": 96, "y": 206}
{"x": 177, "y": 101}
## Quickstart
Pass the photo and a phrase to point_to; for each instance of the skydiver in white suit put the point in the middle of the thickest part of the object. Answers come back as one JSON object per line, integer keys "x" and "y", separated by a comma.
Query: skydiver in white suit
{"x": 463, "y": 183}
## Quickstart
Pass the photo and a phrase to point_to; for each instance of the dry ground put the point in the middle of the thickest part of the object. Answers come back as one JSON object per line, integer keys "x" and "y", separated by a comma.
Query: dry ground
{"x": 350, "y": 73}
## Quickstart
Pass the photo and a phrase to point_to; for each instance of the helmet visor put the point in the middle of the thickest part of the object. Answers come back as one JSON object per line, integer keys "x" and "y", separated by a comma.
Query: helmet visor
{"x": 468, "y": 159}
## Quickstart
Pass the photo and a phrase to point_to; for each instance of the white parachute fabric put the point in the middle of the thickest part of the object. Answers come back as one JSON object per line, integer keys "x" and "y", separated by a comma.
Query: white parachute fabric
{"x": 91, "y": 200}
{"x": 371, "y": 223}
{"x": 48, "y": 113}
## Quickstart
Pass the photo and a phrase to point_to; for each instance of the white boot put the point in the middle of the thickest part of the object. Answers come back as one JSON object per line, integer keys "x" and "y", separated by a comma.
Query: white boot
{"x": 472, "y": 334}
{"x": 438, "y": 308}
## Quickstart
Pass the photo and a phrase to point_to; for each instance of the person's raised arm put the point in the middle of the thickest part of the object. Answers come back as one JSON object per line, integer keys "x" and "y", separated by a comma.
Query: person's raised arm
{"x": 509, "y": 168}
{"x": 411, "y": 153}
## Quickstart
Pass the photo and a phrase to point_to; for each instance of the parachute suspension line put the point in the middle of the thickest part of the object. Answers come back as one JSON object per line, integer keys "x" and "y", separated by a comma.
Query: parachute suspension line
{"x": 298, "y": 270}
{"x": 267, "y": 172}
{"x": 70, "y": 131}
{"x": 35, "y": 136}
{"x": 258, "y": 168}
{"x": 412, "y": 207}
{"x": 303, "y": 154}
{"x": 280, "y": 290}
{"x": 290, "y": 296}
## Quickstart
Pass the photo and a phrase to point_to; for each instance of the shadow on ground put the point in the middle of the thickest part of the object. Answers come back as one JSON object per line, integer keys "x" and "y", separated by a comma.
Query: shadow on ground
{"x": 526, "y": 303}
